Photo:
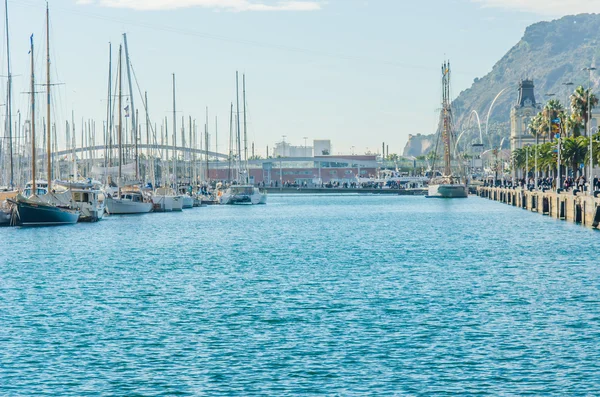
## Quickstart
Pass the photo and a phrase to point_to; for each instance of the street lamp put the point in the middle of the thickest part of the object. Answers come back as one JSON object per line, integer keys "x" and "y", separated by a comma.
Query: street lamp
{"x": 305, "y": 153}
{"x": 590, "y": 177}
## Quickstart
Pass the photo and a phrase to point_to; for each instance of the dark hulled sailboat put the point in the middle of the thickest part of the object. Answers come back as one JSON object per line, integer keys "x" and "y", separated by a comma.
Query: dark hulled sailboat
{"x": 47, "y": 209}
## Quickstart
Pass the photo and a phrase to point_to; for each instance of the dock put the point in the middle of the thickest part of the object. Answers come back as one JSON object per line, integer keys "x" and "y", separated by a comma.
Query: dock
{"x": 577, "y": 207}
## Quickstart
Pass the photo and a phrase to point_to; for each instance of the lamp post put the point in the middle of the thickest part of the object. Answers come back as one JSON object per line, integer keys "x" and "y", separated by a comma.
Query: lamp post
{"x": 589, "y": 131}
{"x": 564, "y": 124}
{"x": 550, "y": 95}
{"x": 305, "y": 147}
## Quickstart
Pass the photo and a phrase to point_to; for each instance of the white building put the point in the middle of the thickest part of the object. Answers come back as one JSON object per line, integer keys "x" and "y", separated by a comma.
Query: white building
{"x": 284, "y": 149}
{"x": 322, "y": 147}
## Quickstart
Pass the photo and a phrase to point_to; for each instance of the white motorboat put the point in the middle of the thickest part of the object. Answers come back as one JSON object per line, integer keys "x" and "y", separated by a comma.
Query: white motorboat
{"x": 188, "y": 201}
{"x": 165, "y": 200}
{"x": 130, "y": 202}
{"x": 445, "y": 188}
{"x": 87, "y": 197}
{"x": 243, "y": 194}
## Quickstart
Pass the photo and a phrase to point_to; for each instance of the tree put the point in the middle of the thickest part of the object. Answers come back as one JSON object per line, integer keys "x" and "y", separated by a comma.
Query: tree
{"x": 580, "y": 107}
{"x": 574, "y": 151}
{"x": 392, "y": 157}
{"x": 325, "y": 152}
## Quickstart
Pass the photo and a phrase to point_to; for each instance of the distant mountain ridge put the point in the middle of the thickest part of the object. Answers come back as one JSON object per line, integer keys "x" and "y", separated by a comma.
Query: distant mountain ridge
{"x": 550, "y": 53}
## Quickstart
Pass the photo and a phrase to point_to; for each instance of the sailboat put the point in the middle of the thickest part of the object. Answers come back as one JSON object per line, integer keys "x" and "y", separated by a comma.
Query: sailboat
{"x": 448, "y": 185}
{"x": 242, "y": 192}
{"x": 51, "y": 208}
{"x": 10, "y": 192}
{"x": 132, "y": 199}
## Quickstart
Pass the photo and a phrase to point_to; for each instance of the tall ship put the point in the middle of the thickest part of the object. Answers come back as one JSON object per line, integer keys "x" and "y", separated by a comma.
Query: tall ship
{"x": 448, "y": 184}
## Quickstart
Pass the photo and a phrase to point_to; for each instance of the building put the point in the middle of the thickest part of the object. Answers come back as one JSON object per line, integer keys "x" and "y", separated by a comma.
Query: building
{"x": 284, "y": 149}
{"x": 521, "y": 114}
{"x": 322, "y": 147}
{"x": 318, "y": 170}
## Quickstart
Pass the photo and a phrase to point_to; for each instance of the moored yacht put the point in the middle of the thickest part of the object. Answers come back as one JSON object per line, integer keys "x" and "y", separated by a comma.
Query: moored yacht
{"x": 243, "y": 194}
{"x": 165, "y": 200}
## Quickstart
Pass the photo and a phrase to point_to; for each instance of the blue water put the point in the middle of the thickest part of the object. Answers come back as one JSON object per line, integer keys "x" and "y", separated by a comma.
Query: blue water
{"x": 305, "y": 296}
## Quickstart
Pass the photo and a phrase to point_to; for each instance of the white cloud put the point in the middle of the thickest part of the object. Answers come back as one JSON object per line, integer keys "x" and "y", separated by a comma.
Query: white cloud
{"x": 226, "y": 5}
{"x": 546, "y": 7}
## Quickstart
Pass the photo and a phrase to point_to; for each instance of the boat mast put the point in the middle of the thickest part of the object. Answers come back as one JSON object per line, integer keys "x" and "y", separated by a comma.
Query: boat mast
{"x": 33, "y": 186}
{"x": 132, "y": 111}
{"x": 190, "y": 146}
{"x": 120, "y": 132}
{"x": 49, "y": 131}
{"x": 230, "y": 157}
{"x": 174, "y": 139}
{"x": 245, "y": 132}
{"x": 206, "y": 147}
{"x": 9, "y": 100}
{"x": 446, "y": 128}
{"x": 108, "y": 143}
{"x": 237, "y": 96}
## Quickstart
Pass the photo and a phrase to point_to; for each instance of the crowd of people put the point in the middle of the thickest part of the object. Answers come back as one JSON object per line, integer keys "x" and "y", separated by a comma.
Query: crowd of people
{"x": 579, "y": 183}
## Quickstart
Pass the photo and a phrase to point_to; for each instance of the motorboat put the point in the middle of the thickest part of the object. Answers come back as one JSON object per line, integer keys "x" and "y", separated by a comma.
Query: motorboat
{"x": 129, "y": 202}
{"x": 242, "y": 194}
{"x": 165, "y": 200}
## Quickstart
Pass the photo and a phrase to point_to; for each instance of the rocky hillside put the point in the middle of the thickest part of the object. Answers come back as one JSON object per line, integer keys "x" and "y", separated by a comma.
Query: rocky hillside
{"x": 417, "y": 145}
{"x": 551, "y": 53}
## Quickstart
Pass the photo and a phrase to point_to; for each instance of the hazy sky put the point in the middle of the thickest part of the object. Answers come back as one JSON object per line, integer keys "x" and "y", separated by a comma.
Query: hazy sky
{"x": 358, "y": 72}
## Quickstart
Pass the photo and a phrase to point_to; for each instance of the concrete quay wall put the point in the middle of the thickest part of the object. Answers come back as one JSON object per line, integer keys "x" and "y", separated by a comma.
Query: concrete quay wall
{"x": 578, "y": 208}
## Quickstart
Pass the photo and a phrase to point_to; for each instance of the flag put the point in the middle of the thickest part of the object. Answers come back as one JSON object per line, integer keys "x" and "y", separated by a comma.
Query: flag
{"x": 31, "y": 41}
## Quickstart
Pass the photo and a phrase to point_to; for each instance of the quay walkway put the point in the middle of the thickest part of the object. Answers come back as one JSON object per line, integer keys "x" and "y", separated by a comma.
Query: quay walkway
{"x": 577, "y": 207}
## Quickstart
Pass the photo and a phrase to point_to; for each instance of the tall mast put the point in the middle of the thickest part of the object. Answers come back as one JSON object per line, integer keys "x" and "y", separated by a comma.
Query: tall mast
{"x": 108, "y": 109}
{"x": 120, "y": 131}
{"x": 48, "y": 125}
{"x": 245, "y": 133}
{"x": 135, "y": 131}
{"x": 206, "y": 147}
{"x": 132, "y": 111}
{"x": 447, "y": 121}
{"x": 230, "y": 157}
{"x": 190, "y": 145}
{"x": 9, "y": 100}
{"x": 174, "y": 138}
{"x": 237, "y": 96}
{"x": 33, "y": 186}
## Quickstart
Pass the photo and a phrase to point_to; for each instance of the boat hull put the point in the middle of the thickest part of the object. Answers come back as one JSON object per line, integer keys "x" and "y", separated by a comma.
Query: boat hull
{"x": 448, "y": 191}
{"x": 91, "y": 213}
{"x": 127, "y": 207}
{"x": 5, "y": 218}
{"x": 188, "y": 202}
{"x": 32, "y": 214}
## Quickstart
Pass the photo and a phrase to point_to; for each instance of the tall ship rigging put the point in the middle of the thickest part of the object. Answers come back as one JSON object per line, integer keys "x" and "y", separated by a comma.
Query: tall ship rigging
{"x": 448, "y": 185}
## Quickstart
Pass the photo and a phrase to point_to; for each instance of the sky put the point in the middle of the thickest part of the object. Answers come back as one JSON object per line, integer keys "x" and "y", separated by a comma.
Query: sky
{"x": 358, "y": 72}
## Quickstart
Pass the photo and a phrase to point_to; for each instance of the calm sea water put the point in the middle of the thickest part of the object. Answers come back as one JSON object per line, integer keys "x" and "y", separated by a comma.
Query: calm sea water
{"x": 304, "y": 296}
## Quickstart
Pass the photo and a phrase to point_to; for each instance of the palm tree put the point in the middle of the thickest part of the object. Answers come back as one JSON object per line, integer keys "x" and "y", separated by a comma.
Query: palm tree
{"x": 574, "y": 151}
{"x": 580, "y": 107}
{"x": 547, "y": 157}
{"x": 552, "y": 111}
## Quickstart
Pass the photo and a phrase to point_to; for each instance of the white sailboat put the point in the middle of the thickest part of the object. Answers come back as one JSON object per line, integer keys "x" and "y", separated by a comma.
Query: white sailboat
{"x": 130, "y": 200}
{"x": 243, "y": 192}
{"x": 448, "y": 185}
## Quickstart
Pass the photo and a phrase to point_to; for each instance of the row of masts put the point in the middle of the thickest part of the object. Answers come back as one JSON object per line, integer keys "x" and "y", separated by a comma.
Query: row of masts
{"x": 126, "y": 144}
